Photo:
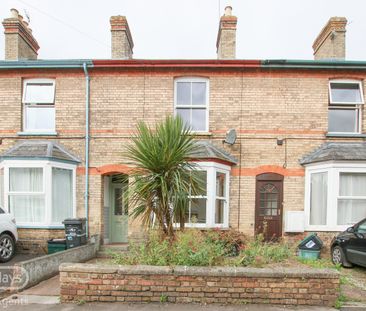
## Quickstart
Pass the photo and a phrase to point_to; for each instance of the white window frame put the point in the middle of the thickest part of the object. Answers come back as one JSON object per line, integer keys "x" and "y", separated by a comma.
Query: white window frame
{"x": 47, "y": 187}
{"x": 43, "y": 105}
{"x": 212, "y": 168}
{"x": 357, "y": 106}
{"x": 334, "y": 169}
{"x": 191, "y": 107}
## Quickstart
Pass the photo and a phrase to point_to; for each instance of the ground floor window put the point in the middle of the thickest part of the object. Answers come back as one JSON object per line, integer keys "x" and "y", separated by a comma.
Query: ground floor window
{"x": 38, "y": 193}
{"x": 335, "y": 195}
{"x": 210, "y": 208}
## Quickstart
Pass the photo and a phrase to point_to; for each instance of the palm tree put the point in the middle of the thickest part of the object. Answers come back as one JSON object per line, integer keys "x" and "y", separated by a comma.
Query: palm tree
{"x": 163, "y": 177}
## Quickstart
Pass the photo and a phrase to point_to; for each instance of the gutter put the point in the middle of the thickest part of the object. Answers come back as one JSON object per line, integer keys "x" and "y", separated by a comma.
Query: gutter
{"x": 313, "y": 64}
{"x": 45, "y": 64}
{"x": 185, "y": 63}
{"x": 87, "y": 139}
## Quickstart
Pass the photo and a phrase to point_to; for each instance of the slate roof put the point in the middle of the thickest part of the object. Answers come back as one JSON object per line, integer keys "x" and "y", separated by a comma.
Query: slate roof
{"x": 337, "y": 151}
{"x": 206, "y": 150}
{"x": 38, "y": 149}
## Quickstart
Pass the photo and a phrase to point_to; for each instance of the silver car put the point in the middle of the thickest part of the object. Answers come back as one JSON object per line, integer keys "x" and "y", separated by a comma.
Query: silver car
{"x": 8, "y": 236}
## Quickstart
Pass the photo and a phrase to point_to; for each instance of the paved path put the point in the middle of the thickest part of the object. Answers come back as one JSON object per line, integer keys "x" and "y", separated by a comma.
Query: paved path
{"x": 151, "y": 307}
{"x": 50, "y": 287}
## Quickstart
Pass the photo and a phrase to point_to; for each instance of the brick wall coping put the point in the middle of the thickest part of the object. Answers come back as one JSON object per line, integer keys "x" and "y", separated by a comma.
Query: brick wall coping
{"x": 202, "y": 271}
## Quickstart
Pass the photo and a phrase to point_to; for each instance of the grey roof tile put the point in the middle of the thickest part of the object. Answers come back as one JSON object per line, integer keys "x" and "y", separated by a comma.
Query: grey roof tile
{"x": 40, "y": 149}
{"x": 206, "y": 150}
{"x": 337, "y": 151}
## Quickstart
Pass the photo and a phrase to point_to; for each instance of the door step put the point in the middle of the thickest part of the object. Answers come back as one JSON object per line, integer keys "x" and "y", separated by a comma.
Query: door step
{"x": 106, "y": 251}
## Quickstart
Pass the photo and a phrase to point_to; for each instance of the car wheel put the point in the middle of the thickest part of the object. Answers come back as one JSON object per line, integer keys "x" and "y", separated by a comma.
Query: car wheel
{"x": 338, "y": 257}
{"x": 7, "y": 247}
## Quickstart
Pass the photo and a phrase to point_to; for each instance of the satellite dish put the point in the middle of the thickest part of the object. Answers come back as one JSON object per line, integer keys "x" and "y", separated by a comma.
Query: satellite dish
{"x": 230, "y": 137}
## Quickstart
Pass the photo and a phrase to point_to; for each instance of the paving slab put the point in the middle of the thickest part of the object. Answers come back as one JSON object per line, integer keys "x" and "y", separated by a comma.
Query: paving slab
{"x": 353, "y": 306}
{"x": 23, "y": 300}
{"x": 50, "y": 287}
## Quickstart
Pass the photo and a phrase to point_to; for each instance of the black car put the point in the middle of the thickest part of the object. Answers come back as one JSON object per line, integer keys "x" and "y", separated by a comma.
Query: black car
{"x": 349, "y": 247}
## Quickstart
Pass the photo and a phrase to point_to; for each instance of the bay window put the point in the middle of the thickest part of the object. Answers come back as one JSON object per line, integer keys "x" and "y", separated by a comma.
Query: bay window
{"x": 38, "y": 193}
{"x": 345, "y": 102}
{"x": 335, "y": 195}
{"x": 210, "y": 208}
{"x": 39, "y": 105}
{"x": 191, "y": 102}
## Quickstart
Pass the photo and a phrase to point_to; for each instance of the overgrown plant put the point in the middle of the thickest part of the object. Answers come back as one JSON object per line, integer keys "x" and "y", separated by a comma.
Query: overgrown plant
{"x": 189, "y": 248}
{"x": 163, "y": 178}
{"x": 258, "y": 252}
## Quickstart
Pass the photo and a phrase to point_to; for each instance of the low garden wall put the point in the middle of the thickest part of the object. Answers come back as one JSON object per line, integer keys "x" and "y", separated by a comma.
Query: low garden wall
{"x": 289, "y": 286}
{"x": 42, "y": 268}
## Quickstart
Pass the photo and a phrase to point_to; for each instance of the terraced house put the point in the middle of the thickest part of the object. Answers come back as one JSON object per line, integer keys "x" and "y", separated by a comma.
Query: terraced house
{"x": 281, "y": 141}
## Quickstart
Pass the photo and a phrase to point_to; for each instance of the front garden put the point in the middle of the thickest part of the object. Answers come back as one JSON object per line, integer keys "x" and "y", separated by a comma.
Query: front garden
{"x": 203, "y": 267}
{"x": 210, "y": 248}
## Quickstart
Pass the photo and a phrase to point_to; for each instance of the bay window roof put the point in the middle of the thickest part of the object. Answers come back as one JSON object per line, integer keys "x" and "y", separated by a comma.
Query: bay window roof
{"x": 337, "y": 151}
{"x": 207, "y": 151}
{"x": 40, "y": 150}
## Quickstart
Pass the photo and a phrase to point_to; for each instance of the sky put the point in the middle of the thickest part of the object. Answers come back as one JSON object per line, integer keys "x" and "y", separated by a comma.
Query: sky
{"x": 187, "y": 29}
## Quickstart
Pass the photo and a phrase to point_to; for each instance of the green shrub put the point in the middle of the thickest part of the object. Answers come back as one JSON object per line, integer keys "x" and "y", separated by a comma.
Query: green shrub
{"x": 155, "y": 252}
{"x": 258, "y": 253}
{"x": 231, "y": 240}
{"x": 192, "y": 248}
{"x": 189, "y": 248}
{"x": 207, "y": 248}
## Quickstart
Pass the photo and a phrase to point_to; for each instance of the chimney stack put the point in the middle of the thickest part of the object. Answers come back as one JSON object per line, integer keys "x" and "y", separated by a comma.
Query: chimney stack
{"x": 331, "y": 42}
{"x": 226, "y": 37}
{"x": 19, "y": 41}
{"x": 122, "y": 44}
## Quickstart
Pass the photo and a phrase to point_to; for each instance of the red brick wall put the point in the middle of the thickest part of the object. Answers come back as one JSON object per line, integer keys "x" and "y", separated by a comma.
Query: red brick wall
{"x": 198, "y": 284}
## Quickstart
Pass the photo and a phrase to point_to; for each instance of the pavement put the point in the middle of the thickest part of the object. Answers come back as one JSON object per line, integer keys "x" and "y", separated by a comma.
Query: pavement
{"x": 24, "y": 305}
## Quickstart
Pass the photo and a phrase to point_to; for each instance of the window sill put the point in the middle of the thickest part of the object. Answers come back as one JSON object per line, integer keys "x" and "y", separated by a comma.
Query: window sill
{"x": 55, "y": 227}
{"x": 37, "y": 134}
{"x": 350, "y": 135}
{"x": 326, "y": 228}
{"x": 201, "y": 133}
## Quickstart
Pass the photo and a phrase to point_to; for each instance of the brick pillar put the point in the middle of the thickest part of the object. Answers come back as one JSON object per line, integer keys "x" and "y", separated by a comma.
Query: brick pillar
{"x": 331, "y": 42}
{"x": 19, "y": 40}
{"x": 122, "y": 44}
{"x": 226, "y": 37}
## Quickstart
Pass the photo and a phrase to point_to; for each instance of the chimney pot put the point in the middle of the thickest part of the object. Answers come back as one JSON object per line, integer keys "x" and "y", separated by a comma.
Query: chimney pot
{"x": 14, "y": 13}
{"x": 20, "y": 17}
{"x": 228, "y": 11}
